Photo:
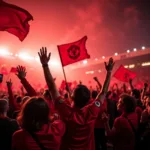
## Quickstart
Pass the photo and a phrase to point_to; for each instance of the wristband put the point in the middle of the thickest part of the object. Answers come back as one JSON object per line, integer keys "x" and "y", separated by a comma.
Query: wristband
{"x": 44, "y": 65}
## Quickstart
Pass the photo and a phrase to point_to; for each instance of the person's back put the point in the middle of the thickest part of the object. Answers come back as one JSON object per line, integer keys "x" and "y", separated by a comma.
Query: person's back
{"x": 37, "y": 130}
{"x": 125, "y": 137}
{"x": 49, "y": 136}
{"x": 7, "y": 127}
{"x": 80, "y": 119}
{"x": 123, "y": 134}
{"x": 80, "y": 128}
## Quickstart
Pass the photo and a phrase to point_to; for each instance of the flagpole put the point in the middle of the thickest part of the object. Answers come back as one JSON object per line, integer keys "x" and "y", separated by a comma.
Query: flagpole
{"x": 64, "y": 73}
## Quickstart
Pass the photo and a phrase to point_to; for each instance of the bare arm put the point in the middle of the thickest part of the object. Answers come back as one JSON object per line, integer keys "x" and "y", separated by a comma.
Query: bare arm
{"x": 109, "y": 68}
{"x": 44, "y": 58}
{"x": 144, "y": 90}
{"x": 98, "y": 83}
{"x": 124, "y": 88}
{"x": 21, "y": 73}
{"x": 131, "y": 85}
{"x": 50, "y": 82}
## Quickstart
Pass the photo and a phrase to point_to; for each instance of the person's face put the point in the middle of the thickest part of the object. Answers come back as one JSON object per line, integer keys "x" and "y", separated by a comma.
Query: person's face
{"x": 147, "y": 101}
{"x": 120, "y": 105}
{"x": 148, "y": 108}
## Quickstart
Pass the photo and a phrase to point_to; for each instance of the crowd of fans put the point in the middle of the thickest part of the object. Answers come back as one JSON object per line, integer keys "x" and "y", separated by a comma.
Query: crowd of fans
{"x": 82, "y": 119}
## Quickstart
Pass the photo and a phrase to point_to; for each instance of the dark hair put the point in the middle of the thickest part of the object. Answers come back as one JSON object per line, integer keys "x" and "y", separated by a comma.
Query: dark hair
{"x": 3, "y": 106}
{"x": 108, "y": 94}
{"x": 34, "y": 114}
{"x": 94, "y": 94}
{"x": 66, "y": 96}
{"x": 25, "y": 99}
{"x": 129, "y": 103}
{"x": 81, "y": 96}
{"x": 136, "y": 93}
{"x": 15, "y": 96}
{"x": 47, "y": 94}
{"x": 18, "y": 99}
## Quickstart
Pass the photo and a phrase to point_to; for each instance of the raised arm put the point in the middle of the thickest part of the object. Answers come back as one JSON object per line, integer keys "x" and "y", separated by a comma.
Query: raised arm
{"x": 124, "y": 88}
{"x": 12, "y": 102}
{"x": 108, "y": 68}
{"x": 22, "y": 76}
{"x": 131, "y": 85}
{"x": 98, "y": 83}
{"x": 44, "y": 58}
{"x": 144, "y": 90}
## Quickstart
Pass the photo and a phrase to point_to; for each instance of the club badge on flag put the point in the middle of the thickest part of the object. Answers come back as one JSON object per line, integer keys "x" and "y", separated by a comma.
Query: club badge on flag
{"x": 14, "y": 20}
{"x": 73, "y": 52}
{"x": 124, "y": 74}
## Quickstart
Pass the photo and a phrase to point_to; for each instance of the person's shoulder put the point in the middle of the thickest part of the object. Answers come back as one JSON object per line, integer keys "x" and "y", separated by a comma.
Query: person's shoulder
{"x": 19, "y": 133}
{"x": 120, "y": 120}
{"x": 138, "y": 108}
{"x": 58, "y": 126}
{"x": 58, "y": 123}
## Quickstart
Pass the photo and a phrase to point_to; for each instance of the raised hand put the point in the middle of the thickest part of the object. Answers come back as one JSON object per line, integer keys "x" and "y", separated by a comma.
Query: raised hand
{"x": 21, "y": 72}
{"x": 95, "y": 78}
{"x": 130, "y": 81}
{"x": 44, "y": 57}
{"x": 9, "y": 83}
{"x": 145, "y": 85}
{"x": 110, "y": 64}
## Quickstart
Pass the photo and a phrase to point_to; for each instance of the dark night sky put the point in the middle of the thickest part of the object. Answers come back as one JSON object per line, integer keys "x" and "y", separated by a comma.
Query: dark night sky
{"x": 111, "y": 25}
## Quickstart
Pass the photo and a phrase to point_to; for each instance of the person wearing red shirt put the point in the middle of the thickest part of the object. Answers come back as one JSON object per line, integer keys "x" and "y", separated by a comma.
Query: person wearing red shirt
{"x": 7, "y": 126}
{"x": 80, "y": 119}
{"x": 37, "y": 131}
{"x": 122, "y": 134}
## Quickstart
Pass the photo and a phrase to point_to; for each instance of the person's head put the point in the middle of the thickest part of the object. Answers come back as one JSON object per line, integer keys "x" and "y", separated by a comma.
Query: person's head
{"x": 147, "y": 102}
{"x": 108, "y": 95}
{"x": 94, "y": 94}
{"x": 81, "y": 96}
{"x": 18, "y": 99}
{"x": 66, "y": 96}
{"x": 34, "y": 114}
{"x": 3, "y": 107}
{"x": 25, "y": 99}
{"x": 136, "y": 94}
{"x": 47, "y": 95}
{"x": 126, "y": 104}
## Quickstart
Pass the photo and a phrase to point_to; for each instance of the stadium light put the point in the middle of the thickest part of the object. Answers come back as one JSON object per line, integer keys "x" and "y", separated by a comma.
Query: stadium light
{"x": 116, "y": 54}
{"x": 128, "y": 51}
{"x": 131, "y": 66}
{"x": 103, "y": 57}
{"x": 25, "y": 56}
{"x": 134, "y": 49}
{"x": 145, "y": 64}
{"x": 4, "y": 51}
{"x": 143, "y": 47}
{"x": 84, "y": 61}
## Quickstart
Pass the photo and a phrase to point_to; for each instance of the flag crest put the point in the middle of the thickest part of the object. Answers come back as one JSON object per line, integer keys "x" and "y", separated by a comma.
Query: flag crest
{"x": 73, "y": 52}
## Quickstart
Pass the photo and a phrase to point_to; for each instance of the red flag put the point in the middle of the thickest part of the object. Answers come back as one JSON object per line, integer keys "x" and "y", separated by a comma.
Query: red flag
{"x": 63, "y": 85}
{"x": 13, "y": 70}
{"x": 14, "y": 20}
{"x": 4, "y": 70}
{"x": 73, "y": 52}
{"x": 124, "y": 74}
